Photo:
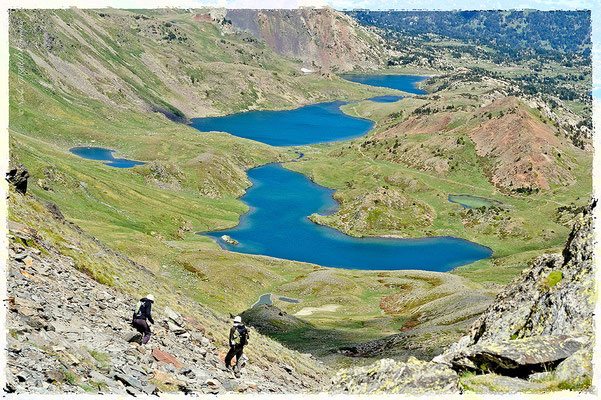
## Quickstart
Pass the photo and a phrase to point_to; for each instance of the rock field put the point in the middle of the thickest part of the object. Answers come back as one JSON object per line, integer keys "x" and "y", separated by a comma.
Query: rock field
{"x": 67, "y": 333}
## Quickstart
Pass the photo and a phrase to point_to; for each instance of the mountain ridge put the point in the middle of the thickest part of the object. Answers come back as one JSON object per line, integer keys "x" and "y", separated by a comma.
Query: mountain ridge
{"x": 322, "y": 38}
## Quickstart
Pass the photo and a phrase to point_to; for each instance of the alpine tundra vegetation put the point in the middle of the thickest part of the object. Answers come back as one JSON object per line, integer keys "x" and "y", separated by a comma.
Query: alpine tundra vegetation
{"x": 117, "y": 191}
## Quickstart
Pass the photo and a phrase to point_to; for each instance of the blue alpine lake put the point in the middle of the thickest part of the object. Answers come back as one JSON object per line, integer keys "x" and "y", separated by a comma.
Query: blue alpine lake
{"x": 277, "y": 225}
{"x": 102, "y": 154}
{"x": 406, "y": 83}
{"x": 280, "y": 200}
{"x": 317, "y": 123}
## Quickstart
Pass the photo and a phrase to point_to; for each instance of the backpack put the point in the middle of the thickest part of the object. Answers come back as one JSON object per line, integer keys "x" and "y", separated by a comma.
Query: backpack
{"x": 240, "y": 335}
{"x": 138, "y": 312}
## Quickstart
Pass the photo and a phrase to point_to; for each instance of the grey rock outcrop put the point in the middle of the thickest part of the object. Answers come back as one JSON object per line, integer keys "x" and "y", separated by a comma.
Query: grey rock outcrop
{"x": 540, "y": 319}
{"x": 518, "y": 357}
{"x": 555, "y": 296}
{"x": 578, "y": 368}
{"x": 229, "y": 240}
{"x": 17, "y": 176}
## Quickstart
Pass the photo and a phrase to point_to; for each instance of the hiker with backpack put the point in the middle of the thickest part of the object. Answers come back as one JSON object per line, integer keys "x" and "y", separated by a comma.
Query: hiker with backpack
{"x": 238, "y": 339}
{"x": 142, "y": 315}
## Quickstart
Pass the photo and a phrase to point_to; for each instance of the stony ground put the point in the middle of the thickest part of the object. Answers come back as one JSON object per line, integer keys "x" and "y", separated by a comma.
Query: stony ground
{"x": 537, "y": 336}
{"x": 68, "y": 333}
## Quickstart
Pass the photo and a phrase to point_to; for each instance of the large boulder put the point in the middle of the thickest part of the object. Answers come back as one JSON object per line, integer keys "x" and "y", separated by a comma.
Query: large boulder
{"x": 17, "y": 176}
{"x": 518, "y": 357}
{"x": 578, "y": 368}
{"x": 554, "y": 296}
{"x": 541, "y": 321}
{"x": 389, "y": 376}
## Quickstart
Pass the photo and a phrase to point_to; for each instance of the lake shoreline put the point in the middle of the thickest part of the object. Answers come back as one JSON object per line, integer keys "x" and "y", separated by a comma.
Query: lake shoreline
{"x": 245, "y": 232}
{"x": 332, "y": 110}
{"x": 397, "y": 92}
{"x": 385, "y": 91}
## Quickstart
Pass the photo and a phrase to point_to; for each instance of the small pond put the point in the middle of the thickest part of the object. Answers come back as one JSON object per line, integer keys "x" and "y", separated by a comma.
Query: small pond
{"x": 266, "y": 299}
{"x": 469, "y": 201}
{"x": 102, "y": 154}
{"x": 288, "y": 300}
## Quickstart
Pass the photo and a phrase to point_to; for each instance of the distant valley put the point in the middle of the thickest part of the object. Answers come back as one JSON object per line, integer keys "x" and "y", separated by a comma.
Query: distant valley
{"x": 490, "y": 150}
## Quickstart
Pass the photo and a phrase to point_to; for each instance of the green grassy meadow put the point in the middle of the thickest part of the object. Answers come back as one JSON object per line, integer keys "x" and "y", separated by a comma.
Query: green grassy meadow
{"x": 193, "y": 180}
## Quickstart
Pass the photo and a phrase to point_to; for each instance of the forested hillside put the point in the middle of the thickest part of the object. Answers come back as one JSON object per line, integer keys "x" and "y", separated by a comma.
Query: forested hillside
{"x": 566, "y": 31}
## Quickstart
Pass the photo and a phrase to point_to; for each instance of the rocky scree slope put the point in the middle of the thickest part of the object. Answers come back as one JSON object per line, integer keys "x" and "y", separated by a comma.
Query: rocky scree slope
{"x": 161, "y": 61}
{"x": 536, "y": 336}
{"x": 322, "y": 38}
{"x": 67, "y": 332}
